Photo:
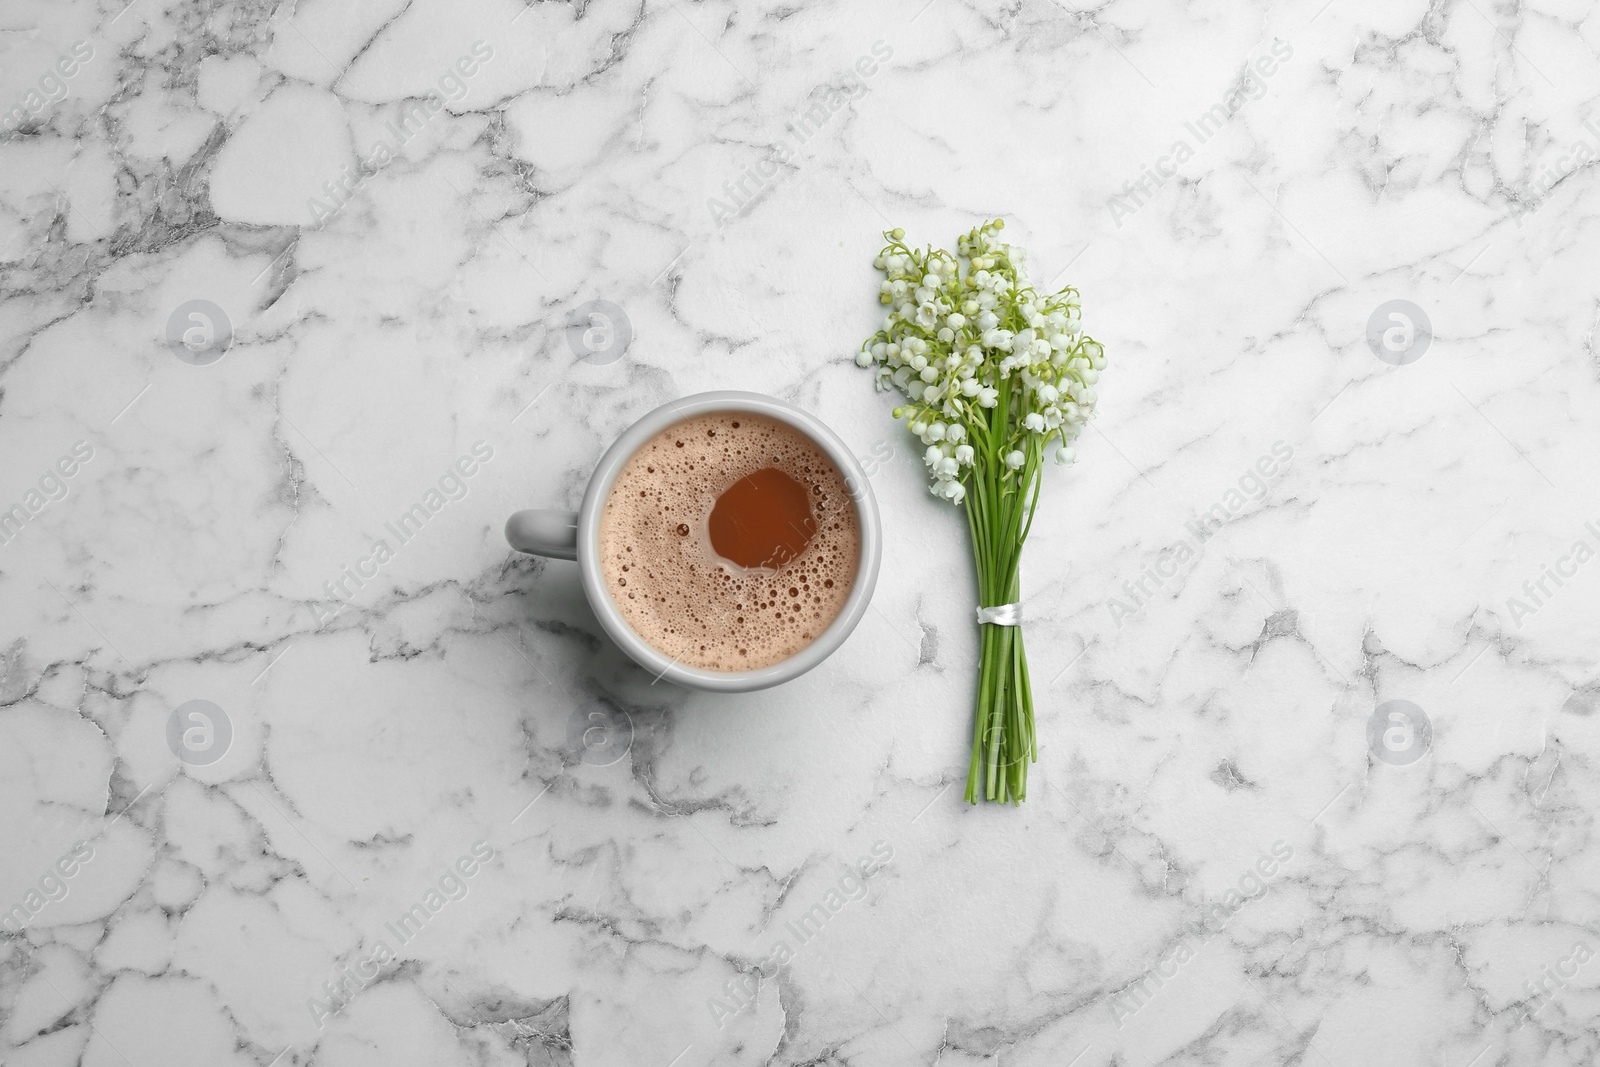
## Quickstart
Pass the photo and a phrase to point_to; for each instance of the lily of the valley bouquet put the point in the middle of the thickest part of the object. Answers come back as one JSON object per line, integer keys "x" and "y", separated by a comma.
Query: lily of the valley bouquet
{"x": 996, "y": 373}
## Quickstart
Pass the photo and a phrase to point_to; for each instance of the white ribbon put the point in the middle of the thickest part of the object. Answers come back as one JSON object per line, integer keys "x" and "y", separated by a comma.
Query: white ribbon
{"x": 1001, "y": 615}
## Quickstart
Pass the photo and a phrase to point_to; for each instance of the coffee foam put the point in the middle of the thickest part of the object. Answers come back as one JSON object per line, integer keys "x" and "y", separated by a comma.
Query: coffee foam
{"x": 676, "y": 592}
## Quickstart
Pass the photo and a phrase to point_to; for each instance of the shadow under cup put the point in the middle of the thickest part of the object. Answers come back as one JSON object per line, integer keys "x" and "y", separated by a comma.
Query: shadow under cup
{"x": 648, "y": 656}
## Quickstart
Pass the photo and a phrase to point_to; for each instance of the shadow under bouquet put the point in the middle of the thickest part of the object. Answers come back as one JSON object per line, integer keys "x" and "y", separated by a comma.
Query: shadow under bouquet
{"x": 995, "y": 374}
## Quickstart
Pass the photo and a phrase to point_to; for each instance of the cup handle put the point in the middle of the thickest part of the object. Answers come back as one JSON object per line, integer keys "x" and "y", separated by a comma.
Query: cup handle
{"x": 544, "y": 533}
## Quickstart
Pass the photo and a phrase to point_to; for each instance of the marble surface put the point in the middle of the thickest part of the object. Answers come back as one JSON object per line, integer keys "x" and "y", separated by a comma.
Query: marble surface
{"x": 427, "y": 814}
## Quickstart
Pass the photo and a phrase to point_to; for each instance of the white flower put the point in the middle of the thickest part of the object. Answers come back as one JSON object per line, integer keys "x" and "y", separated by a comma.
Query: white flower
{"x": 998, "y": 339}
{"x": 1065, "y": 455}
{"x": 951, "y": 378}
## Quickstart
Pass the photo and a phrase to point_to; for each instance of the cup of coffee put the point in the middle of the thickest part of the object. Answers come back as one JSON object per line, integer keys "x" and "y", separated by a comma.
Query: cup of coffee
{"x": 727, "y": 541}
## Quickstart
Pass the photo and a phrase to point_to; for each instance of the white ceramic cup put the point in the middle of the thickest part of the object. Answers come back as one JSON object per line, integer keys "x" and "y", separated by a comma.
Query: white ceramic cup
{"x": 576, "y": 536}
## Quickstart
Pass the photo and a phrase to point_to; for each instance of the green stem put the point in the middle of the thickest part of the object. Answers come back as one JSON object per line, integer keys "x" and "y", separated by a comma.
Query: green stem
{"x": 1000, "y": 514}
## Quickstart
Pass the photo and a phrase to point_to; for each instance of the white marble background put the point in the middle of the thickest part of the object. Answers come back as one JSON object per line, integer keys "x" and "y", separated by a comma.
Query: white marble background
{"x": 1441, "y": 912}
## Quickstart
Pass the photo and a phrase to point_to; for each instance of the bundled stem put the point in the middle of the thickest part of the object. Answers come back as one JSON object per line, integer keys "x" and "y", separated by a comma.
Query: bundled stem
{"x": 999, "y": 514}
